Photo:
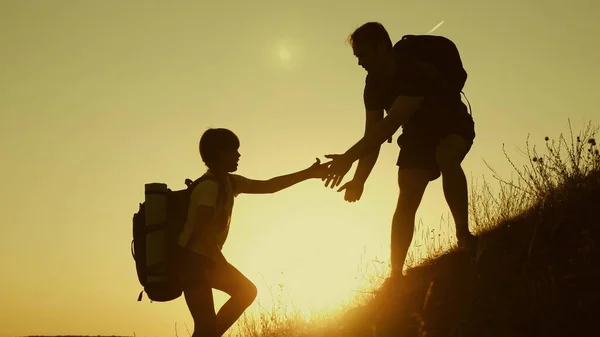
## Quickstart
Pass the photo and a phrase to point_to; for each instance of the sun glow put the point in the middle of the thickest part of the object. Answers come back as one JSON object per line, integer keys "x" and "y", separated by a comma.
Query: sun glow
{"x": 285, "y": 53}
{"x": 315, "y": 270}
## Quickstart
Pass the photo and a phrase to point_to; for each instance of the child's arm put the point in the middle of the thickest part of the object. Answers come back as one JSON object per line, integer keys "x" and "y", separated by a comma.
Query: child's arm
{"x": 204, "y": 200}
{"x": 276, "y": 184}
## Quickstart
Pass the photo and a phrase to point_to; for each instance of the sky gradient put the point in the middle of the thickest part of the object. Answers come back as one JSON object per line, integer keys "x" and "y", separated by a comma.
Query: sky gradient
{"x": 98, "y": 98}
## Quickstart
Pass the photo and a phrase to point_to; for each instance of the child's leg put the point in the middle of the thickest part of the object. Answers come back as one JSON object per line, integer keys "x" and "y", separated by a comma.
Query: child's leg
{"x": 191, "y": 270}
{"x": 228, "y": 279}
{"x": 199, "y": 300}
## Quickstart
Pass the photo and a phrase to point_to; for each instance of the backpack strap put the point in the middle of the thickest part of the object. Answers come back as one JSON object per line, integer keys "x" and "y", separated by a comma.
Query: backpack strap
{"x": 191, "y": 185}
{"x": 232, "y": 182}
{"x": 469, "y": 103}
{"x": 220, "y": 196}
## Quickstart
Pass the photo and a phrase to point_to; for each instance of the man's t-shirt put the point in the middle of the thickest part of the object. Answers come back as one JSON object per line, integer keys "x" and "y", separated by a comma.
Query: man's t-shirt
{"x": 208, "y": 239}
{"x": 438, "y": 110}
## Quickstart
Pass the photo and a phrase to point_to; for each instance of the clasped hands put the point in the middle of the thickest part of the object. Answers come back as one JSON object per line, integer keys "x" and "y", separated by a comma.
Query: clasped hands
{"x": 334, "y": 171}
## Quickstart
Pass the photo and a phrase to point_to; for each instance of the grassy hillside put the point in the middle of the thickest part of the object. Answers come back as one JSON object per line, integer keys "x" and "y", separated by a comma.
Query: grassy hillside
{"x": 535, "y": 272}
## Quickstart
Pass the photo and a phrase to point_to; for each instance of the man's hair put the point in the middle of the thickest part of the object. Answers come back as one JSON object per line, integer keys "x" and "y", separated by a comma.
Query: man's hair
{"x": 215, "y": 141}
{"x": 370, "y": 33}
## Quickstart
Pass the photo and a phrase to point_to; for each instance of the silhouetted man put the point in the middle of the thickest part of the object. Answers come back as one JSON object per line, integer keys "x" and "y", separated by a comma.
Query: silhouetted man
{"x": 418, "y": 82}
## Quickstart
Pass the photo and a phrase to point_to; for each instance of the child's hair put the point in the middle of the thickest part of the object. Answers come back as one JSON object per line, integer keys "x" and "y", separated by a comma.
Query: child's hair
{"x": 215, "y": 141}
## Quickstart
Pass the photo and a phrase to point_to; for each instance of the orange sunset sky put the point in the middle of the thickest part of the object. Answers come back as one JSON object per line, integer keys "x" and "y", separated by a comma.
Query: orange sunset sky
{"x": 98, "y": 98}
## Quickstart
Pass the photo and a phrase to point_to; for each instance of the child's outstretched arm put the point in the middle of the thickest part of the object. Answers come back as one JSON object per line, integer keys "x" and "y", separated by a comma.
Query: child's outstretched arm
{"x": 276, "y": 184}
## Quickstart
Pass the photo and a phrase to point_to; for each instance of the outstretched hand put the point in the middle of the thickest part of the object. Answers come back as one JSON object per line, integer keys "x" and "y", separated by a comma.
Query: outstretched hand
{"x": 354, "y": 189}
{"x": 338, "y": 167}
{"x": 318, "y": 170}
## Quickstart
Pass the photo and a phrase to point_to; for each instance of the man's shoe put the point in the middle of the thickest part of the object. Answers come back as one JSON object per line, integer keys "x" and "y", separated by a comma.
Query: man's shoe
{"x": 467, "y": 242}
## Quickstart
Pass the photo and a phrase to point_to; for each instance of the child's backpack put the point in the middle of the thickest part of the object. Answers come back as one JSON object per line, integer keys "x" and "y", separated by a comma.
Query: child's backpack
{"x": 156, "y": 228}
{"x": 438, "y": 51}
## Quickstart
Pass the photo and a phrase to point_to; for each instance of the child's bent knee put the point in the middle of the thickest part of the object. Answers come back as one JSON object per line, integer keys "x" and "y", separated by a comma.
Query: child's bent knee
{"x": 252, "y": 292}
{"x": 247, "y": 294}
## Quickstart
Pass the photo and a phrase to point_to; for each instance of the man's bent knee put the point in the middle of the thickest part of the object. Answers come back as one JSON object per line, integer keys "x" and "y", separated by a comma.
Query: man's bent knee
{"x": 451, "y": 151}
{"x": 412, "y": 184}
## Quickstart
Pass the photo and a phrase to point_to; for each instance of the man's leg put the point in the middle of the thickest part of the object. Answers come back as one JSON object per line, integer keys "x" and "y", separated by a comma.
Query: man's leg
{"x": 449, "y": 155}
{"x": 412, "y": 183}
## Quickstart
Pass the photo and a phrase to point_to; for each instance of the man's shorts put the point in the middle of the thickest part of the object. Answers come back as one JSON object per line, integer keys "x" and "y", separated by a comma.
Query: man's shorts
{"x": 419, "y": 141}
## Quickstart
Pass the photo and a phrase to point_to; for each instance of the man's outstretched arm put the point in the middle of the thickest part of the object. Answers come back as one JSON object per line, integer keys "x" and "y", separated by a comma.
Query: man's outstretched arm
{"x": 402, "y": 109}
{"x": 367, "y": 162}
{"x": 426, "y": 79}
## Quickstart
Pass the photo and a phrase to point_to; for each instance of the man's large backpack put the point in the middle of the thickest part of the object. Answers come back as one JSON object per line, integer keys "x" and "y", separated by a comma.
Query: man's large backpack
{"x": 156, "y": 228}
{"x": 438, "y": 51}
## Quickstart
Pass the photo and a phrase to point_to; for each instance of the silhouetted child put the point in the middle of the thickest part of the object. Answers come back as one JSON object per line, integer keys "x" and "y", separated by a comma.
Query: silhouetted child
{"x": 202, "y": 266}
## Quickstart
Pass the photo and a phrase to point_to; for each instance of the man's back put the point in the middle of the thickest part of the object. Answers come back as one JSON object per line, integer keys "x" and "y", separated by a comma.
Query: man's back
{"x": 437, "y": 51}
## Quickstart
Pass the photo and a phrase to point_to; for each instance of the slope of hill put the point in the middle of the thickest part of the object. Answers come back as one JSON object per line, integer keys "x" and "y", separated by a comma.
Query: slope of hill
{"x": 536, "y": 271}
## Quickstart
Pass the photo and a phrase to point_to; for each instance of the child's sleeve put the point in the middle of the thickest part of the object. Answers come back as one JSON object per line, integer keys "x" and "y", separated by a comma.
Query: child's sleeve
{"x": 240, "y": 183}
{"x": 207, "y": 192}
